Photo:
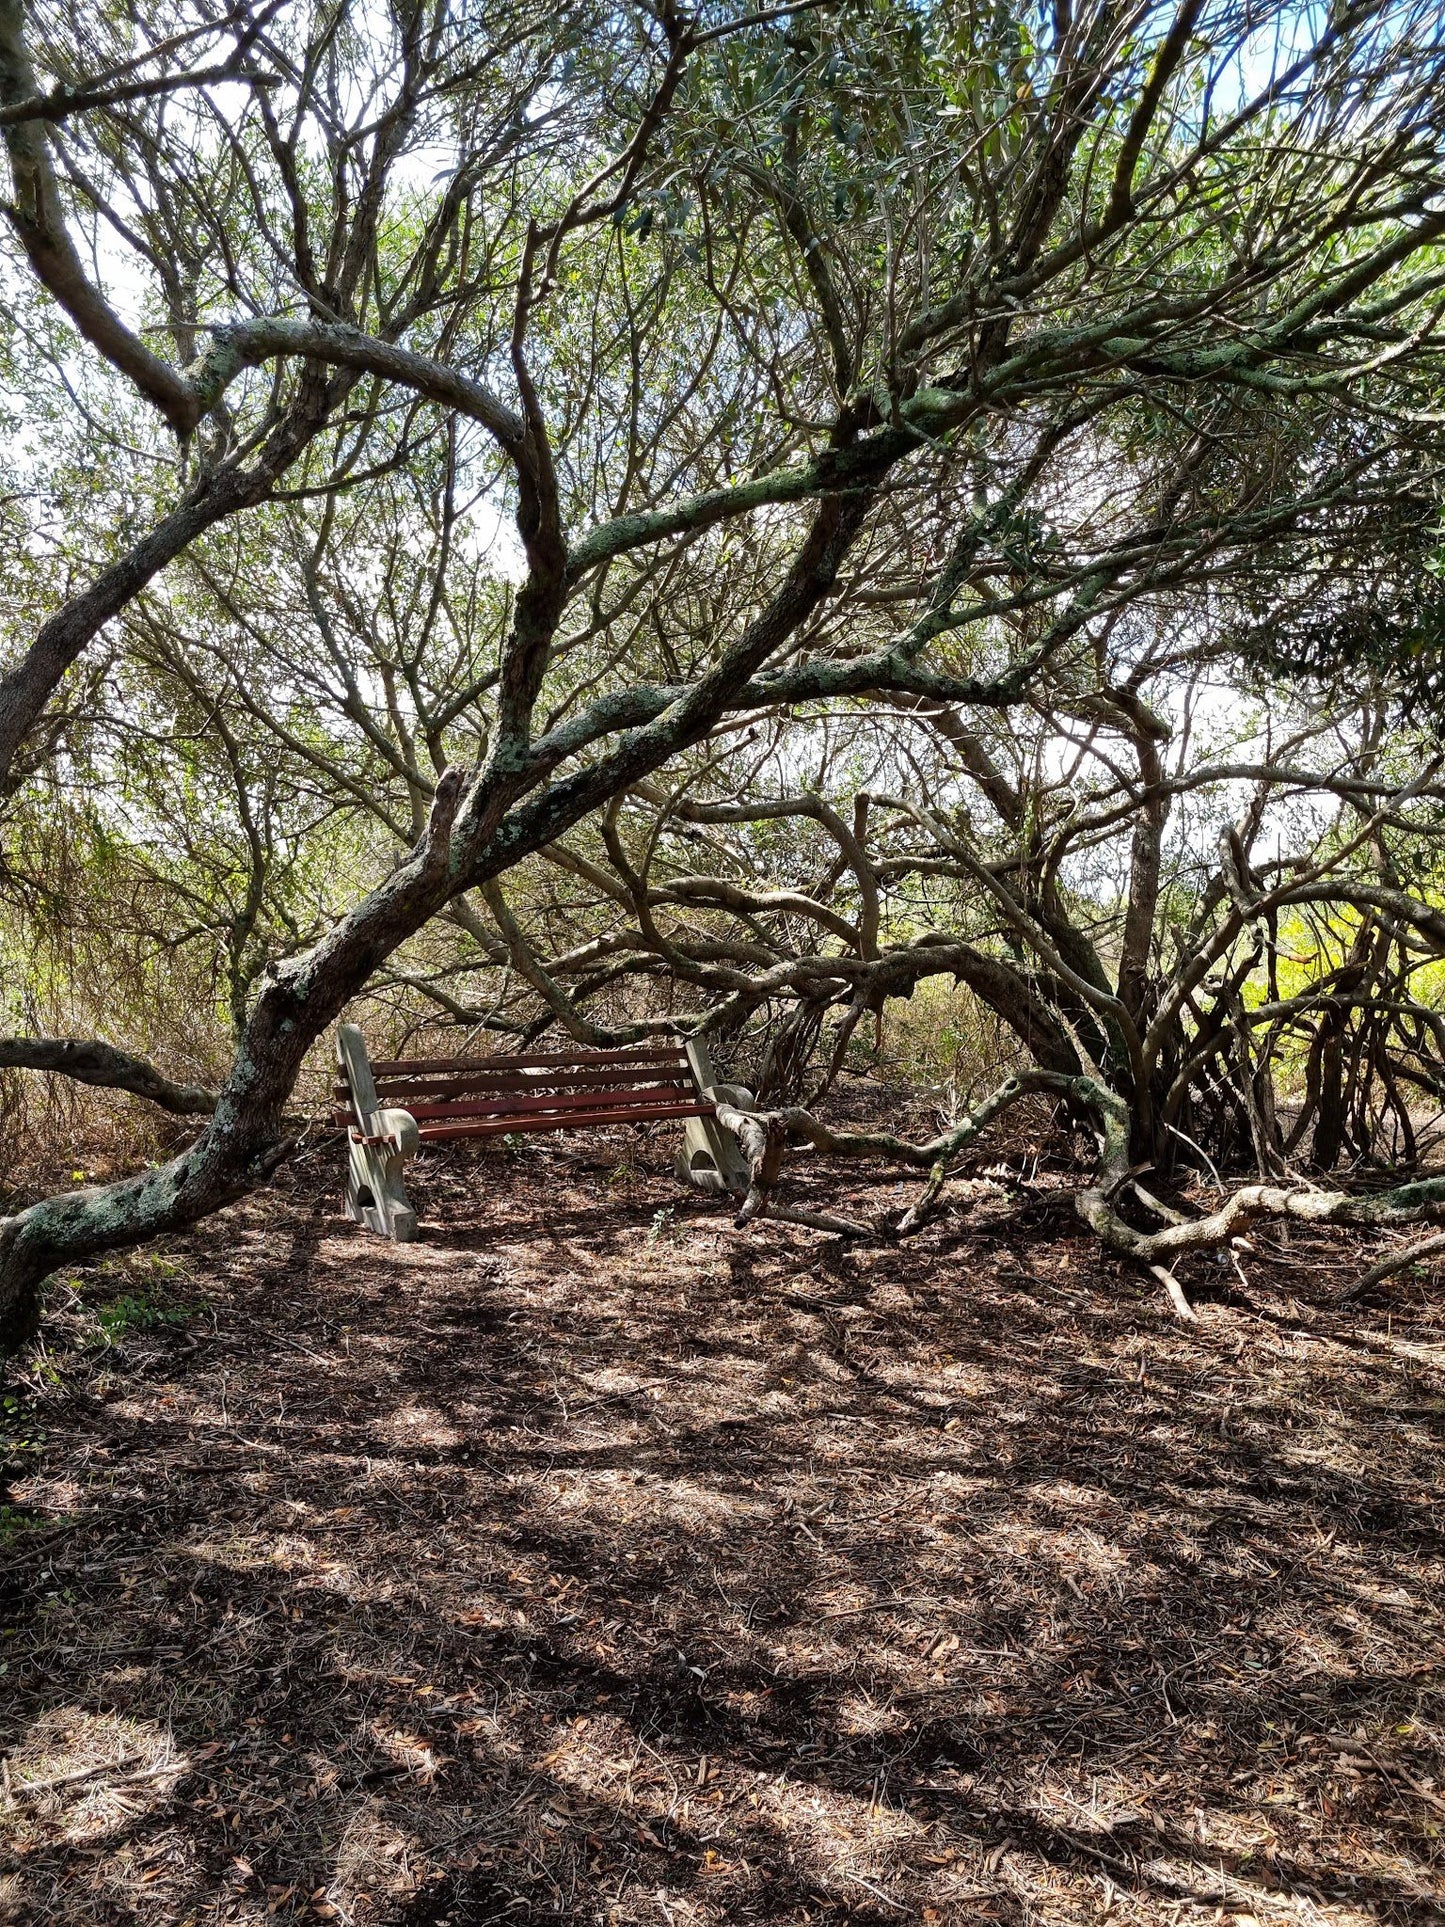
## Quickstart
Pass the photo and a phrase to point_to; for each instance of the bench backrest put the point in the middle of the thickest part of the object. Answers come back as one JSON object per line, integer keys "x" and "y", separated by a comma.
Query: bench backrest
{"x": 481, "y": 1096}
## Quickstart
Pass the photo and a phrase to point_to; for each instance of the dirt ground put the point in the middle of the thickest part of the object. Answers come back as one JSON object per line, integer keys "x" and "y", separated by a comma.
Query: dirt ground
{"x": 587, "y": 1560}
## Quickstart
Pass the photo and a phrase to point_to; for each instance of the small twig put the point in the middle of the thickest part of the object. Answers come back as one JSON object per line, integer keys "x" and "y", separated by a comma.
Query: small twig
{"x": 877, "y": 1892}
{"x": 1157, "y": 1205}
{"x": 280, "y": 1338}
{"x": 876, "y": 1606}
{"x": 120, "y": 1770}
{"x": 611, "y": 1398}
{"x": 1213, "y": 1168}
{"x": 44, "y": 1544}
{"x": 1393, "y": 1775}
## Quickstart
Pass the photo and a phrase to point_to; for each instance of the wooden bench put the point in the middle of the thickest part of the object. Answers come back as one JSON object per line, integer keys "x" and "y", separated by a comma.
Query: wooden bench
{"x": 394, "y": 1106}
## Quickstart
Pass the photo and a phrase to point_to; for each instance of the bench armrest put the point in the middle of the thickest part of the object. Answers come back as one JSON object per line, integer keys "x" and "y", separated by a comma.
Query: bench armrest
{"x": 399, "y": 1128}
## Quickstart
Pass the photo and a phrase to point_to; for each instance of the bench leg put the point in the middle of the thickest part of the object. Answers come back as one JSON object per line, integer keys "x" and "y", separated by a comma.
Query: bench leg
{"x": 375, "y": 1195}
{"x": 700, "y": 1160}
{"x": 711, "y": 1159}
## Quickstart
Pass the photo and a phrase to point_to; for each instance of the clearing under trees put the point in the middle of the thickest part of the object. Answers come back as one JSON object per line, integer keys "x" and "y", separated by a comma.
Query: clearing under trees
{"x": 766, "y": 680}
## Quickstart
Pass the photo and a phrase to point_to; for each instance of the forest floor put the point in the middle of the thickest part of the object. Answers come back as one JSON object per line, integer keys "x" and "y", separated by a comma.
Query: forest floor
{"x": 589, "y": 1561}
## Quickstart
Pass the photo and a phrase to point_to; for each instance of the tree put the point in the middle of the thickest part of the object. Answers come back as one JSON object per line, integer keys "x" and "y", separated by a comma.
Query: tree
{"x": 817, "y": 355}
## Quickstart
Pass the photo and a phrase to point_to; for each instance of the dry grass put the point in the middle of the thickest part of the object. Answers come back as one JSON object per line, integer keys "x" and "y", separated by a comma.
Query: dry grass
{"x": 587, "y": 1561}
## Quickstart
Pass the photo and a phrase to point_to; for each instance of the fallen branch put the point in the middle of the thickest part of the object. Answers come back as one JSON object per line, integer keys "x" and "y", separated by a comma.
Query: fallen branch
{"x": 764, "y": 1139}
{"x": 764, "y": 1134}
{"x": 88, "y": 1061}
{"x": 921, "y": 1209}
{"x": 1422, "y": 1202}
{"x": 814, "y": 1220}
{"x": 1397, "y": 1261}
{"x": 939, "y": 1150}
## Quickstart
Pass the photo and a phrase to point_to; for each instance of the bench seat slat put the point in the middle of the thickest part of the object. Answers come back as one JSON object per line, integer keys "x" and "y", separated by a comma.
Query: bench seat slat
{"x": 438, "y": 1120}
{"x": 632, "y": 1054}
{"x": 399, "y": 1089}
{"x": 582, "y": 1101}
{"x": 558, "y": 1120}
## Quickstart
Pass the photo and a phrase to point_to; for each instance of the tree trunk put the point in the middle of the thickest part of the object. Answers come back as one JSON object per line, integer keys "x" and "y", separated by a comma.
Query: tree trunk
{"x": 245, "y": 1139}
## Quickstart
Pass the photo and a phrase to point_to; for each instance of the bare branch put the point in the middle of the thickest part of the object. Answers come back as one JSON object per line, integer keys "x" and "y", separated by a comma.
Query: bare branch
{"x": 87, "y": 1061}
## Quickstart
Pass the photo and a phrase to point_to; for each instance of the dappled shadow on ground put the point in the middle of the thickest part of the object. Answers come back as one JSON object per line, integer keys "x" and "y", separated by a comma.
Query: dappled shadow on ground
{"x": 589, "y": 1561}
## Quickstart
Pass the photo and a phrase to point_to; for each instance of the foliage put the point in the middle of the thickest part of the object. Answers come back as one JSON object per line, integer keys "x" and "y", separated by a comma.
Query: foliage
{"x": 118, "y": 1317}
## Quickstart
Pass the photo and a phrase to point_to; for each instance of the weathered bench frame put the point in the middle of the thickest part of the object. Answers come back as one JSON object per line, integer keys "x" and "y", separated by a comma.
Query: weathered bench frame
{"x": 393, "y": 1107}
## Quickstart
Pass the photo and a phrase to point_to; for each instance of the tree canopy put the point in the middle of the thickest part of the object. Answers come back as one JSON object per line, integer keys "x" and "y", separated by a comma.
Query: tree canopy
{"x": 647, "y": 519}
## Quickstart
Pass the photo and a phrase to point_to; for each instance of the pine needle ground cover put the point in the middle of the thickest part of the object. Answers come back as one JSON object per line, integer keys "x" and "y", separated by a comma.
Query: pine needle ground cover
{"x": 589, "y": 1561}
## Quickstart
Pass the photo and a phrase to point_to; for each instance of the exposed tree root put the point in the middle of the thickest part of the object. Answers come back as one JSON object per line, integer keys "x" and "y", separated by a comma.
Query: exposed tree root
{"x": 922, "y": 1208}
{"x": 1175, "y": 1291}
{"x": 1422, "y": 1202}
{"x": 764, "y": 1136}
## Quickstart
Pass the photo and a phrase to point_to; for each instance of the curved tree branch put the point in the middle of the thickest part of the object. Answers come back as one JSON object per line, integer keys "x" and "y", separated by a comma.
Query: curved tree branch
{"x": 88, "y": 1061}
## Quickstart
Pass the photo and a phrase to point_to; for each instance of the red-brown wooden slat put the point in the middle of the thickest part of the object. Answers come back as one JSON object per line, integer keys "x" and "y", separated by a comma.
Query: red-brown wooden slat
{"x": 437, "y": 1129}
{"x": 559, "y": 1121}
{"x": 558, "y": 1101}
{"x": 539, "y": 1077}
{"x": 419, "y": 1101}
{"x": 399, "y": 1089}
{"x": 569, "y": 1105}
{"x": 579, "y": 1101}
{"x": 628, "y": 1054}
{"x": 631, "y": 1054}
